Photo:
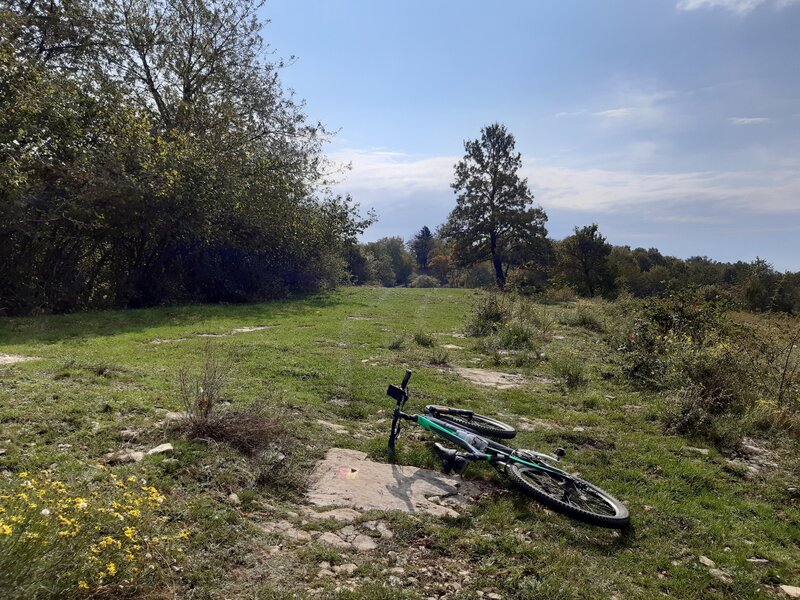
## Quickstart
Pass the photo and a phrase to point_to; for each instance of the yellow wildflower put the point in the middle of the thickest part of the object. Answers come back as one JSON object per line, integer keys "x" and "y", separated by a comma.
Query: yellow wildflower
{"x": 5, "y": 529}
{"x": 130, "y": 533}
{"x": 111, "y": 568}
{"x": 83, "y": 585}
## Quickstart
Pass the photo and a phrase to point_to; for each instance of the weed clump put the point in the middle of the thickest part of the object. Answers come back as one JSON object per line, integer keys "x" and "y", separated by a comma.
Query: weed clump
{"x": 570, "y": 370}
{"x": 440, "y": 357}
{"x": 425, "y": 281}
{"x": 488, "y": 315}
{"x": 250, "y": 428}
{"x": 397, "y": 343}
{"x": 424, "y": 339}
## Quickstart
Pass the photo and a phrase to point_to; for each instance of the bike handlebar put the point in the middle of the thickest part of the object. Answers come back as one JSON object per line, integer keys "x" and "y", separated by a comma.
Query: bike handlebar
{"x": 405, "y": 379}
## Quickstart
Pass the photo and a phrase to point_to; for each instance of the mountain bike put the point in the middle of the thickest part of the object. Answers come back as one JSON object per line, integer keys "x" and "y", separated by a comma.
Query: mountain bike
{"x": 533, "y": 472}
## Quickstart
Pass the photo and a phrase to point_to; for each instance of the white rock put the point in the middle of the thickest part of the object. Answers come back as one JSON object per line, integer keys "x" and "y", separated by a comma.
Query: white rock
{"x": 364, "y": 543}
{"x": 707, "y": 562}
{"x": 757, "y": 561}
{"x": 127, "y": 457}
{"x": 234, "y": 499}
{"x": 346, "y": 569}
{"x": 703, "y": 451}
{"x": 791, "y": 591}
{"x": 325, "y": 573}
{"x": 721, "y": 575}
{"x": 331, "y": 539}
{"x": 161, "y": 449}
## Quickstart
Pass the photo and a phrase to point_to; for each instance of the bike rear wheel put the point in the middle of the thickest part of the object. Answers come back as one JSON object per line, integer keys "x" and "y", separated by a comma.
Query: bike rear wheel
{"x": 479, "y": 424}
{"x": 571, "y": 496}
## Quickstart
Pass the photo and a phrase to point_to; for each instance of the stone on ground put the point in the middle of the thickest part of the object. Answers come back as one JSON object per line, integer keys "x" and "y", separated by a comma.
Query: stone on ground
{"x": 791, "y": 591}
{"x": 346, "y": 478}
{"x": 12, "y": 359}
{"x": 496, "y": 379}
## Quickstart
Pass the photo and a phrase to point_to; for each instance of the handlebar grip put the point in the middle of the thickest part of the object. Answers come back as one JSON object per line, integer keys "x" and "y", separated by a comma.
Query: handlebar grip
{"x": 406, "y": 378}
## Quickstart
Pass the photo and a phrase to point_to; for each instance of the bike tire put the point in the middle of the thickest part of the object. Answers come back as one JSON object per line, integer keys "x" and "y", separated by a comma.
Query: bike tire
{"x": 480, "y": 424}
{"x": 595, "y": 506}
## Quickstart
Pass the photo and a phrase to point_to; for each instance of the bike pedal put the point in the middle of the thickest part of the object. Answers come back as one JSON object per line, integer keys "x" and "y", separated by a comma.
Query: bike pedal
{"x": 448, "y": 457}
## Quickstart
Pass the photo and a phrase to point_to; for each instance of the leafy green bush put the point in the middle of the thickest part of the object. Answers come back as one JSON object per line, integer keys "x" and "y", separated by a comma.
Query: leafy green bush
{"x": 425, "y": 281}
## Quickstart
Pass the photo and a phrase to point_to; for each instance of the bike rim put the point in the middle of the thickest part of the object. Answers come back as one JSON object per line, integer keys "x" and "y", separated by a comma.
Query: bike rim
{"x": 572, "y": 493}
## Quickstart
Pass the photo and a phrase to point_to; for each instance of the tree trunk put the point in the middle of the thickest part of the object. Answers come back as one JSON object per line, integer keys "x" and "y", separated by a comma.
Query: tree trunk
{"x": 498, "y": 264}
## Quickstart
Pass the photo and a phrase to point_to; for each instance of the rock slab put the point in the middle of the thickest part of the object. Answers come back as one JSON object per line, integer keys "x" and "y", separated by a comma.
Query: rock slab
{"x": 347, "y": 478}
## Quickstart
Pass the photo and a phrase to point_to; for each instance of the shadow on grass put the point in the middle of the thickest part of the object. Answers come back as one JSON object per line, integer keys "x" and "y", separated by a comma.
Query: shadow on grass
{"x": 78, "y": 327}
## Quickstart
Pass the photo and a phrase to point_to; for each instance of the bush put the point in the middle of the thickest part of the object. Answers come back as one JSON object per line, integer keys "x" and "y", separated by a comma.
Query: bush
{"x": 440, "y": 357}
{"x": 515, "y": 336}
{"x": 397, "y": 342}
{"x": 250, "y": 429}
{"x": 424, "y": 339}
{"x": 719, "y": 372}
{"x": 97, "y": 540}
{"x": 586, "y": 318}
{"x": 488, "y": 315}
{"x": 425, "y": 281}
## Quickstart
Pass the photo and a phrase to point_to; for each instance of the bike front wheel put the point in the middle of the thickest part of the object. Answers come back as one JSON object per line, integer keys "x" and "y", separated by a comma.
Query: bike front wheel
{"x": 571, "y": 496}
{"x": 479, "y": 424}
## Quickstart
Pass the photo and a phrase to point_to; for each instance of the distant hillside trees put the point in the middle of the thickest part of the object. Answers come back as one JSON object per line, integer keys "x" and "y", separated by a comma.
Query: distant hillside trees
{"x": 494, "y": 218}
{"x": 583, "y": 262}
{"x": 149, "y": 154}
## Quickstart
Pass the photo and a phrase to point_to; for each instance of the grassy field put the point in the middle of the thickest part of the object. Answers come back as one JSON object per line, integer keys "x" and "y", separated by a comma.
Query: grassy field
{"x": 105, "y": 381}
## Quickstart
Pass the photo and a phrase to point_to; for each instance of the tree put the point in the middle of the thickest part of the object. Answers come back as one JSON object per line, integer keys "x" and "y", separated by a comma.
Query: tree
{"x": 583, "y": 260}
{"x": 493, "y": 218}
{"x": 421, "y": 246}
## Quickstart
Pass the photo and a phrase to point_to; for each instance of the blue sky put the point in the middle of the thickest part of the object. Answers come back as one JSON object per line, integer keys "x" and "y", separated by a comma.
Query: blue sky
{"x": 670, "y": 123}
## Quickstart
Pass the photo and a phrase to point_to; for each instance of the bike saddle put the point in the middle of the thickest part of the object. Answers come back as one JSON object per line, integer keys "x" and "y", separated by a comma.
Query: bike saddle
{"x": 451, "y": 459}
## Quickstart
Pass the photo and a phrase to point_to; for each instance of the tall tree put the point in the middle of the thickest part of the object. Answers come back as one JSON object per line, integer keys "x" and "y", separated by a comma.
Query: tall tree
{"x": 421, "y": 246}
{"x": 583, "y": 260}
{"x": 494, "y": 218}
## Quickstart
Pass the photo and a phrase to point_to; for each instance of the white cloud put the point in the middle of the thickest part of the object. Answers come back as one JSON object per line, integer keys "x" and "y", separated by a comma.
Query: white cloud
{"x": 739, "y": 7}
{"x": 749, "y": 120}
{"x": 386, "y": 178}
{"x": 574, "y": 113}
{"x": 614, "y": 113}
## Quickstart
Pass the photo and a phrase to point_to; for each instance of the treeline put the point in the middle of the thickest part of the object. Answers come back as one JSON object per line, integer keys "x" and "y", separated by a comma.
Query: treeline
{"x": 148, "y": 154}
{"x": 583, "y": 264}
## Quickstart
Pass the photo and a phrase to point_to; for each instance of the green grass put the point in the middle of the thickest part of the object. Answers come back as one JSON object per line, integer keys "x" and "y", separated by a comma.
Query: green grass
{"x": 330, "y": 357}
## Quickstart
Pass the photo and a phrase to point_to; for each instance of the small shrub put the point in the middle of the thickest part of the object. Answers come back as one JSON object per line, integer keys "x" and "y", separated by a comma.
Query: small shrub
{"x": 527, "y": 359}
{"x": 424, "y": 339}
{"x": 397, "y": 343}
{"x": 515, "y": 336}
{"x": 570, "y": 370}
{"x": 440, "y": 357}
{"x": 201, "y": 390}
{"x": 586, "y": 318}
{"x": 558, "y": 295}
{"x": 250, "y": 428}
{"x": 425, "y": 281}
{"x": 488, "y": 315}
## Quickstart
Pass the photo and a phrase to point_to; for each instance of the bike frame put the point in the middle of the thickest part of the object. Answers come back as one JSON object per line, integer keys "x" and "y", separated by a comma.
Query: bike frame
{"x": 490, "y": 451}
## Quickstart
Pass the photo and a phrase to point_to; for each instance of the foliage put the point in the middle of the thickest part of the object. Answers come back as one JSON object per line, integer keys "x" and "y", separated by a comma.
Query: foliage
{"x": 489, "y": 313}
{"x": 392, "y": 263}
{"x": 137, "y": 172}
{"x": 493, "y": 218}
{"x": 107, "y": 537}
{"x": 721, "y": 372}
{"x": 422, "y": 245}
{"x": 424, "y": 339}
{"x": 425, "y": 281}
{"x": 583, "y": 262}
